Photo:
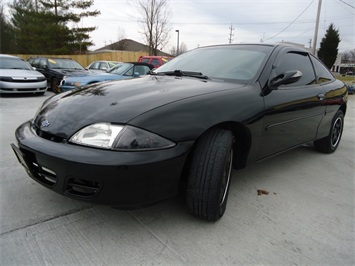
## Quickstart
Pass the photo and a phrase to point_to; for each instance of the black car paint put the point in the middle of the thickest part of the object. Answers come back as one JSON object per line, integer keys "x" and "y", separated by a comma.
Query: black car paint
{"x": 276, "y": 120}
{"x": 55, "y": 74}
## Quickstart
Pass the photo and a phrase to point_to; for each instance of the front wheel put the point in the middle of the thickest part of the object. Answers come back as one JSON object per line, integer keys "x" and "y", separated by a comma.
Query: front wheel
{"x": 209, "y": 174}
{"x": 330, "y": 143}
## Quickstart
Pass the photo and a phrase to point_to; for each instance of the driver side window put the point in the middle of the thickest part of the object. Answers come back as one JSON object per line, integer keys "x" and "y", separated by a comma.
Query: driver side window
{"x": 129, "y": 72}
{"x": 297, "y": 61}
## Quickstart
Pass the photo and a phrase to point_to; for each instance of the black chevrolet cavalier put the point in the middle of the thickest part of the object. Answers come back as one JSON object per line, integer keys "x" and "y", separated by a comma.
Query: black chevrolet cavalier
{"x": 185, "y": 126}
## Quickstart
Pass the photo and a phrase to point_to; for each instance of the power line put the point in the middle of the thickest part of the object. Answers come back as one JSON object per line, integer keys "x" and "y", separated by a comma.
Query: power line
{"x": 291, "y": 22}
{"x": 347, "y": 4}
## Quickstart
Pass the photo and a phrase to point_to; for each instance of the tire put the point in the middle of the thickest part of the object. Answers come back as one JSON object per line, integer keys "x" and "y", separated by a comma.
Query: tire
{"x": 55, "y": 86}
{"x": 330, "y": 143}
{"x": 209, "y": 174}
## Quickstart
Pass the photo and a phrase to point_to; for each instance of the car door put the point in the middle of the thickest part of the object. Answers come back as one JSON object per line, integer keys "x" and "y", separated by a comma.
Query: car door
{"x": 292, "y": 111}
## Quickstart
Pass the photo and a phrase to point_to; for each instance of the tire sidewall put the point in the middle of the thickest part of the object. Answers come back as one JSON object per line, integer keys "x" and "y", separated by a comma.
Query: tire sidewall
{"x": 339, "y": 117}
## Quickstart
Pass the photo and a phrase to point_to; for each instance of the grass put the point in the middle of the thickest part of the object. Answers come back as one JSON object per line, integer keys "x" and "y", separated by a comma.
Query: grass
{"x": 346, "y": 79}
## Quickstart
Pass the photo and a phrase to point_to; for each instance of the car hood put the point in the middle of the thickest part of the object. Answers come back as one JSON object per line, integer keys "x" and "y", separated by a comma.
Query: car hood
{"x": 118, "y": 101}
{"x": 20, "y": 73}
{"x": 93, "y": 77}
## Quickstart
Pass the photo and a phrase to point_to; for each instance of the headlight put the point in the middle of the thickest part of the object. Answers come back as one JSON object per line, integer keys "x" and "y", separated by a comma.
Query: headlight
{"x": 97, "y": 135}
{"x": 69, "y": 83}
{"x": 116, "y": 137}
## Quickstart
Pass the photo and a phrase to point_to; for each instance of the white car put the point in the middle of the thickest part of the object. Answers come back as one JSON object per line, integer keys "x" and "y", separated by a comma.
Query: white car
{"x": 102, "y": 65}
{"x": 18, "y": 76}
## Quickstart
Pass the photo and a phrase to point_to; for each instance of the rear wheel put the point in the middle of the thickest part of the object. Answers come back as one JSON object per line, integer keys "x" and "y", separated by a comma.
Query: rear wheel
{"x": 330, "y": 143}
{"x": 209, "y": 175}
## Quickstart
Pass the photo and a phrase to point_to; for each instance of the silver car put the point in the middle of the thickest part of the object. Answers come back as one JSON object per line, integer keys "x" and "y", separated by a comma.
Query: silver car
{"x": 102, "y": 65}
{"x": 18, "y": 76}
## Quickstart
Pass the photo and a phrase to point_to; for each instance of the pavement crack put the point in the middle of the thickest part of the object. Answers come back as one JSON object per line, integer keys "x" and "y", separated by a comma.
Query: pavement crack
{"x": 47, "y": 220}
{"x": 158, "y": 238}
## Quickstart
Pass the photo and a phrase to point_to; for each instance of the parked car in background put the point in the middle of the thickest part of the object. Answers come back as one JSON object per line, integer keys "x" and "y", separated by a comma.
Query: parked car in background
{"x": 102, "y": 66}
{"x": 54, "y": 69}
{"x": 156, "y": 61}
{"x": 351, "y": 88}
{"x": 18, "y": 76}
{"x": 120, "y": 71}
{"x": 184, "y": 127}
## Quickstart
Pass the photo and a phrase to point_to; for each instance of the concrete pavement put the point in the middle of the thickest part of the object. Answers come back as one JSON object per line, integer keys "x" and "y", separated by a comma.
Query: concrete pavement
{"x": 308, "y": 217}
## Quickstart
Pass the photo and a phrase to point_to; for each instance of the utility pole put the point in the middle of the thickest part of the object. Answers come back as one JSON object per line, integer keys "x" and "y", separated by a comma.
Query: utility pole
{"x": 55, "y": 8}
{"x": 177, "y": 46}
{"x": 316, "y": 29}
{"x": 231, "y": 33}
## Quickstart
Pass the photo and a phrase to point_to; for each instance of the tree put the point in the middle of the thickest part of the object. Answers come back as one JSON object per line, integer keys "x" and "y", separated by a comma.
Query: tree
{"x": 6, "y": 33}
{"x": 155, "y": 14}
{"x": 328, "y": 50}
{"x": 182, "y": 49}
{"x": 77, "y": 38}
{"x": 348, "y": 57}
{"x": 44, "y": 28}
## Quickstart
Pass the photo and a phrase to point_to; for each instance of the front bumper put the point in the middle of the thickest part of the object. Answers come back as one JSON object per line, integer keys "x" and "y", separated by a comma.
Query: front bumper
{"x": 23, "y": 87}
{"x": 66, "y": 87}
{"x": 120, "y": 179}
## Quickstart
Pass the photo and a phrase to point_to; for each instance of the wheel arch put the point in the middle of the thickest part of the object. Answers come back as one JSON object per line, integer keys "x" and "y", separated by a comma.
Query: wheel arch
{"x": 242, "y": 139}
{"x": 241, "y": 149}
{"x": 242, "y": 145}
{"x": 343, "y": 108}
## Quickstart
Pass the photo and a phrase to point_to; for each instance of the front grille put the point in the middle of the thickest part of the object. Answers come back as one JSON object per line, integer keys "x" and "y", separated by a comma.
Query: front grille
{"x": 82, "y": 188}
{"x": 39, "y": 172}
{"x": 49, "y": 136}
{"x": 22, "y": 80}
{"x": 24, "y": 90}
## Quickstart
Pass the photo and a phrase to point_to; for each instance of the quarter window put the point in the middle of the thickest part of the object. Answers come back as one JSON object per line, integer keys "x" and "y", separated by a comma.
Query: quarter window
{"x": 322, "y": 73}
{"x": 297, "y": 61}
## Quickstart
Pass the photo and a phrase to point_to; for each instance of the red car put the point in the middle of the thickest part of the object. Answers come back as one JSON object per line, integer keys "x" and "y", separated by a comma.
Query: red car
{"x": 156, "y": 61}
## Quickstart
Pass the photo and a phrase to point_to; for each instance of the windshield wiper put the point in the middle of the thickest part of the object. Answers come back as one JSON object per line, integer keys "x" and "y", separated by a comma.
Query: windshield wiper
{"x": 180, "y": 73}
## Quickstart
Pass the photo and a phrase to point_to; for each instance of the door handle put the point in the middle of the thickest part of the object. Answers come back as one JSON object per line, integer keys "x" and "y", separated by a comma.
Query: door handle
{"x": 321, "y": 96}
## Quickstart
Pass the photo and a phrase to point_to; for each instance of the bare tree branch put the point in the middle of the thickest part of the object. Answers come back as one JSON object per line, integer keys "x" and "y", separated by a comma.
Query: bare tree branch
{"x": 155, "y": 26}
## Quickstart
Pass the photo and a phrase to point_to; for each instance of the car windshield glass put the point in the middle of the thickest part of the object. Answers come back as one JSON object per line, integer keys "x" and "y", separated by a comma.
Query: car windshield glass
{"x": 120, "y": 69}
{"x": 112, "y": 64}
{"x": 14, "y": 63}
{"x": 233, "y": 62}
{"x": 166, "y": 59}
{"x": 64, "y": 64}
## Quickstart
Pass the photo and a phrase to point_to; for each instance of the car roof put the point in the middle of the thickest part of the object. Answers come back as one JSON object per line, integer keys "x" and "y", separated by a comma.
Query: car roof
{"x": 274, "y": 45}
{"x": 9, "y": 56}
{"x": 156, "y": 56}
{"x": 56, "y": 58}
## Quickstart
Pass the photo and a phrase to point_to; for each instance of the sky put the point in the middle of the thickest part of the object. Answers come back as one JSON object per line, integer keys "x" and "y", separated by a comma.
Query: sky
{"x": 209, "y": 22}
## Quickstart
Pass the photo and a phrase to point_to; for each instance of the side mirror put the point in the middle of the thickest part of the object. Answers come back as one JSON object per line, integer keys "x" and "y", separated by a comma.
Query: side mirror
{"x": 285, "y": 78}
{"x": 136, "y": 74}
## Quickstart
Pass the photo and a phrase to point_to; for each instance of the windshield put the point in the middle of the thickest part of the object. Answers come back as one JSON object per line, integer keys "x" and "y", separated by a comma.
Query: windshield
{"x": 14, "y": 63}
{"x": 60, "y": 63}
{"x": 234, "y": 62}
{"x": 120, "y": 69}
